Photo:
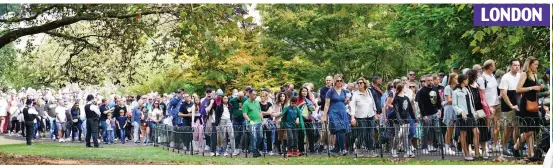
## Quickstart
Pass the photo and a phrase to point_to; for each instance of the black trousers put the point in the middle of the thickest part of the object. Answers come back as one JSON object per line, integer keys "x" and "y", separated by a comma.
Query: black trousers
{"x": 29, "y": 129}
{"x": 92, "y": 130}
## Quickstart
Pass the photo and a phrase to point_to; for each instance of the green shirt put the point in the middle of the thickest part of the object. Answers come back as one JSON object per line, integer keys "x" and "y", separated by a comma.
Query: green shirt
{"x": 236, "y": 112}
{"x": 253, "y": 110}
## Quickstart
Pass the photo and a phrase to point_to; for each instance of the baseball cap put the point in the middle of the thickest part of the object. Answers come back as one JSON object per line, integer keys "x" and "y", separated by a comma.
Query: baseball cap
{"x": 547, "y": 71}
{"x": 248, "y": 89}
{"x": 220, "y": 92}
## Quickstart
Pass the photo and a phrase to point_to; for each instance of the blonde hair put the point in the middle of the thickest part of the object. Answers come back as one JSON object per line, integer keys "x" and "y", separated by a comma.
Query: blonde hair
{"x": 488, "y": 64}
{"x": 365, "y": 82}
{"x": 449, "y": 79}
{"x": 526, "y": 68}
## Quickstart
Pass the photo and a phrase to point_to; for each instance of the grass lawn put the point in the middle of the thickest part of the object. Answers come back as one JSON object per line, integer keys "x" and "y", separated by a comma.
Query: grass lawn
{"x": 152, "y": 155}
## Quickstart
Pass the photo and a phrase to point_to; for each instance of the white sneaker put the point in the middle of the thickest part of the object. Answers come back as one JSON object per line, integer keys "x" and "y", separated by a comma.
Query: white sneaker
{"x": 61, "y": 140}
{"x": 271, "y": 153}
{"x": 211, "y": 154}
{"x": 207, "y": 148}
{"x": 497, "y": 148}
{"x": 431, "y": 148}
{"x": 236, "y": 153}
{"x": 226, "y": 154}
{"x": 450, "y": 151}
{"x": 394, "y": 153}
{"x": 425, "y": 151}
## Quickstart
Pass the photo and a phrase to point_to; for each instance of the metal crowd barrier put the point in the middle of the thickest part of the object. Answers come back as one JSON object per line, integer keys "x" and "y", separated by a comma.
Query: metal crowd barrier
{"x": 368, "y": 138}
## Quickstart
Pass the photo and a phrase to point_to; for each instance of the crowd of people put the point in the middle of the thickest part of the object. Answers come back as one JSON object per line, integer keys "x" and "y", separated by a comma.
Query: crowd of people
{"x": 462, "y": 111}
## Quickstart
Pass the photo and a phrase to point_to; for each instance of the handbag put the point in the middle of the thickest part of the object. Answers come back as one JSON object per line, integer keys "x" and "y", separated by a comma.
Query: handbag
{"x": 532, "y": 106}
{"x": 480, "y": 114}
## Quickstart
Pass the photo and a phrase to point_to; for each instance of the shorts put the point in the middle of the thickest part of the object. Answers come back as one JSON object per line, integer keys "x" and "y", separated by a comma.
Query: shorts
{"x": 509, "y": 118}
{"x": 496, "y": 118}
{"x": 62, "y": 126}
{"x": 143, "y": 128}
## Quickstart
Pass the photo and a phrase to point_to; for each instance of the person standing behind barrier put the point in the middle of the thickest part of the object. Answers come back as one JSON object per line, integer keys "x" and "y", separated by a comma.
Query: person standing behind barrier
{"x": 450, "y": 117}
{"x": 252, "y": 113}
{"x": 430, "y": 104}
{"x": 76, "y": 127}
{"x": 155, "y": 119}
{"x": 529, "y": 107}
{"x": 104, "y": 111}
{"x": 363, "y": 111}
{"x": 3, "y": 112}
{"x": 290, "y": 119}
{"x": 280, "y": 103}
{"x": 509, "y": 104}
{"x": 92, "y": 113}
{"x": 198, "y": 143}
{"x": 110, "y": 135}
{"x": 488, "y": 87}
{"x": 325, "y": 139}
{"x": 238, "y": 121}
{"x": 268, "y": 124}
{"x": 136, "y": 112}
{"x": 306, "y": 106}
{"x": 336, "y": 115}
{"x": 402, "y": 110}
{"x": 62, "y": 119}
{"x": 186, "y": 112}
{"x": 463, "y": 106}
{"x": 223, "y": 114}
{"x": 481, "y": 113}
{"x": 121, "y": 122}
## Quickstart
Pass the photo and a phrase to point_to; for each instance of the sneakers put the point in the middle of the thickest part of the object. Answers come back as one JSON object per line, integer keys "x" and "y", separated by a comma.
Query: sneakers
{"x": 372, "y": 154}
{"x": 394, "y": 153}
{"x": 425, "y": 151}
{"x": 432, "y": 149}
{"x": 212, "y": 154}
{"x": 507, "y": 153}
{"x": 271, "y": 153}
{"x": 486, "y": 156}
{"x": 448, "y": 150}
{"x": 469, "y": 158}
{"x": 236, "y": 152}
{"x": 358, "y": 153}
{"x": 409, "y": 155}
{"x": 226, "y": 154}
{"x": 290, "y": 153}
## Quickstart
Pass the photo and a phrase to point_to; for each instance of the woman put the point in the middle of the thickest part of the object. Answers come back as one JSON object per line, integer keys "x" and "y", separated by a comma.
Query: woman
{"x": 76, "y": 126}
{"x": 403, "y": 111}
{"x": 144, "y": 125}
{"x": 307, "y": 108}
{"x": 335, "y": 112}
{"x": 529, "y": 106}
{"x": 281, "y": 102}
{"x": 414, "y": 122}
{"x": 450, "y": 117}
{"x": 463, "y": 106}
{"x": 268, "y": 124}
{"x": 198, "y": 144}
{"x": 482, "y": 112}
{"x": 544, "y": 96}
{"x": 155, "y": 118}
{"x": 363, "y": 111}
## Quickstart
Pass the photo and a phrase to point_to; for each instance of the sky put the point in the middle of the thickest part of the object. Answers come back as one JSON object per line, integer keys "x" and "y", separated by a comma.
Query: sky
{"x": 41, "y": 38}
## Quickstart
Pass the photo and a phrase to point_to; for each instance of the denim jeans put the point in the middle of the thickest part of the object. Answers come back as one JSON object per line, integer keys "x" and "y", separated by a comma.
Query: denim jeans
{"x": 136, "y": 127}
{"x": 122, "y": 135}
{"x": 110, "y": 135}
{"x": 365, "y": 133}
{"x": 431, "y": 128}
{"x": 53, "y": 128}
{"x": 152, "y": 131}
{"x": 35, "y": 128}
{"x": 83, "y": 127}
{"x": 256, "y": 137}
{"x": 76, "y": 130}
{"x": 239, "y": 130}
{"x": 104, "y": 127}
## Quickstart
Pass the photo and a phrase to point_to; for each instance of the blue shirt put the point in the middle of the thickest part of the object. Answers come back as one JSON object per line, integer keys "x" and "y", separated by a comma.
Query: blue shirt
{"x": 290, "y": 118}
{"x": 122, "y": 120}
{"x": 136, "y": 115}
{"x": 174, "y": 106}
{"x": 103, "y": 116}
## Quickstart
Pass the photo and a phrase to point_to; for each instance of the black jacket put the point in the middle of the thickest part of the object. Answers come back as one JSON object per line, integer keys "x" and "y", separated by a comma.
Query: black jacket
{"x": 429, "y": 105}
{"x": 219, "y": 109}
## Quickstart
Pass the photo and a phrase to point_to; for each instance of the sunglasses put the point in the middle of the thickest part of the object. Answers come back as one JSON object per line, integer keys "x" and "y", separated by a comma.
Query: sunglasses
{"x": 423, "y": 81}
{"x": 411, "y": 87}
{"x": 412, "y": 74}
{"x": 360, "y": 83}
{"x": 441, "y": 75}
{"x": 338, "y": 80}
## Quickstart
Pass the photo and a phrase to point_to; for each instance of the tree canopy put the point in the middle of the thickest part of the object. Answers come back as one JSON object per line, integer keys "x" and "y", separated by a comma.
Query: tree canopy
{"x": 193, "y": 46}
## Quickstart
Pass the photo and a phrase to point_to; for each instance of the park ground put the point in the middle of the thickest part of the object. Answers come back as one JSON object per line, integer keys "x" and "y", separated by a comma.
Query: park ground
{"x": 44, "y": 152}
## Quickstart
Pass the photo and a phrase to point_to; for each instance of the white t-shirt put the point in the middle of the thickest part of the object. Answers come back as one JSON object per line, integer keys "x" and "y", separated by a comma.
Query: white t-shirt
{"x": 3, "y": 107}
{"x": 60, "y": 113}
{"x": 156, "y": 114}
{"x": 509, "y": 82}
{"x": 226, "y": 113}
{"x": 489, "y": 84}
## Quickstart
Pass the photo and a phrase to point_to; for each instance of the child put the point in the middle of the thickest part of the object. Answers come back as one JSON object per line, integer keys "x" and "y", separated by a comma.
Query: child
{"x": 110, "y": 134}
{"x": 290, "y": 120}
{"x": 122, "y": 124}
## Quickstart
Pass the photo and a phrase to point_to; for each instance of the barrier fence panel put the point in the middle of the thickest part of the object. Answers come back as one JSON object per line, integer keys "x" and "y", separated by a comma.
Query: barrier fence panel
{"x": 434, "y": 139}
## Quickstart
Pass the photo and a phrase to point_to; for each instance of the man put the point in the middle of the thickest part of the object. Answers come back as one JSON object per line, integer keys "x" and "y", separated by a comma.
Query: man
{"x": 136, "y": 112}
{"x": 327, "y": 140}
{"x": 174, "y": 106}
{"x": 413, "y": 78}
{"x": 488, "y": 87}
{"x": 103, "y": 117}
{"x": 118, "y": 108}
{"x": 509, "y": 105}
{"x": 29, "y": 115}
{"x": 61, "y": 118}
{"x": 291, "y": 89}
{"x": 430, "y": 104}
{"x": 377, "y": 92}
{"x": 238, "y": 121}
{"x": 251, "y": 111}
{"x": 92, "y": 113}
{"x": 454, "y": 69}
{"x": 186, "y": 113}
{"x": 52, "y": 116}
{"x": 206, "y": 105}
{"x": 441, "y": 75}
